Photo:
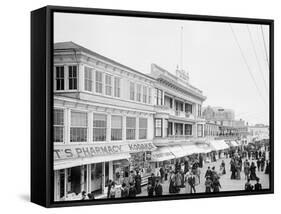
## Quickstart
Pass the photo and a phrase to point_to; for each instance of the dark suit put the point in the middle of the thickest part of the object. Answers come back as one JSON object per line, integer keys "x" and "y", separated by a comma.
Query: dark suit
{"x": 258, "y": 187}
{"x": 158, "y": 190}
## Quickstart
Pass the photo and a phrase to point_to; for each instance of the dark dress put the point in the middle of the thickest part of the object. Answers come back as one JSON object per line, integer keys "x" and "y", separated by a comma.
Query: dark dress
{"x": 132, "y": 192}
{"x": 257, "y": 187}
{"x": 267, "y": 169}
{"x": 150, "y": 191}
{"x": 253, "y": 175}
{"x": 208, "y": 185}
{"x": 248, "y": 187}
{"x": 216, "y": 185}
{"x": 172, "y": 186}
{"x": 158, "y": 190}
{"x": 138, "y": 183}
{"x": 124, "y": 192}
{"x": 208, "y": 173}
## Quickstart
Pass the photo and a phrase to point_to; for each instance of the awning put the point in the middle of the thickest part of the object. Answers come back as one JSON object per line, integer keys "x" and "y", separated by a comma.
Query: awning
{"x": 233, "y": 143}
{"x": 178, "y": 151}
{"x": 63, "y": 164}
{"x": 69, "y": 155}
{"x": 161, "y": 154}
{"x": 218, "y": 145}
{"x": 203, "y": 148}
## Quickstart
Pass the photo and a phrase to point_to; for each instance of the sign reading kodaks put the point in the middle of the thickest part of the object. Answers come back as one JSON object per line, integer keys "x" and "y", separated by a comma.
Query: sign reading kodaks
{"x": 63, "y": 152}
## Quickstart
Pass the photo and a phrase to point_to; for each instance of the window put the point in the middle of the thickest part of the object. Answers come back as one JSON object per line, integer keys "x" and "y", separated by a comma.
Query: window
{"x": 130, "y": 128}
{"x": 116, "y": 128}
{"x": 132, "y": 91}
{"x": 168, "y": 102}
{"x": 142, "y": 128}
{"x": 158, "y": 127}
{"x": 108, "y": 85}
{"x": 59, "y": 78}
{"x": 188, "y": 108}
{"x": 144, "y": 98}
{"x": 199, "y": 130}
{"x": 138, "y": 92}
{"x": 72, "y": 77}
{"x": 170, "y": 129}
{"x": 88, "y": 79}
{"x": 98, "y": 82}
{"x": 99, "y": 127}
{"x": 188, "y": 129}
{"x": 116, "y": 87}
{"x": 179, "y": 106}
{"x": 159, "y": 97}
{"x": 78, "y": 126}
{"x": 178, "y": 129}
{"x": 58, "y": 125}
{"x": 149, "y": 95}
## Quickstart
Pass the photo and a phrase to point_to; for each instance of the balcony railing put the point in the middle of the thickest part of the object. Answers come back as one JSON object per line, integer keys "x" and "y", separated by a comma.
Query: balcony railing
{"x": 173, "y": 112}
{"x": 174, "y": 139}
{"x": 179, "y": 137}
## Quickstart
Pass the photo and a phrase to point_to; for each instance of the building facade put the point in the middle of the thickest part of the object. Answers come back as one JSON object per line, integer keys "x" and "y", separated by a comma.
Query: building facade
{"x": 178, "y": 108}
{"x": 259, "y": 131}
{"x": 224, "y": 122}
{"x": 103, "y": 121}
{"x": 110, "y": 119}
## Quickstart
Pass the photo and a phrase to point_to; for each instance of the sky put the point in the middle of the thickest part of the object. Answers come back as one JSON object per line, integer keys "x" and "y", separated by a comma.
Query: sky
{"x": 226, "y": 61}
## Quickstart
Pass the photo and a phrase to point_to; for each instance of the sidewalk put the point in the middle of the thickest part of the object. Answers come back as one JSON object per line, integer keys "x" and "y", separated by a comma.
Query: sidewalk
{"x": 226, "y": 183}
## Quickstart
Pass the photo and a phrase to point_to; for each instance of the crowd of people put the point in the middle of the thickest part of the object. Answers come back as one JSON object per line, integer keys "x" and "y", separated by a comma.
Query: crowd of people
{"x": 184, "y": 177}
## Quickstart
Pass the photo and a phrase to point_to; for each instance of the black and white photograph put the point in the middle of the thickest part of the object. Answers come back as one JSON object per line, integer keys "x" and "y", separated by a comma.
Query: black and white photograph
{"x": 151, "y": 107}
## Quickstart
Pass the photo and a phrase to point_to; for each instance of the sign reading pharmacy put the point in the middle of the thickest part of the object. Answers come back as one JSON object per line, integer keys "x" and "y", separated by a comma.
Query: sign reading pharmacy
{"x": 64, "y": 151}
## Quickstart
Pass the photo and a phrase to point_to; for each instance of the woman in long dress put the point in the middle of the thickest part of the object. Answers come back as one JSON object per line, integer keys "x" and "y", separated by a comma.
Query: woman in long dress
{"x": 187, "y": 186}
{"x": 246, "y": 169}
{"x": 253, "y": 175}
{"x": 172, "y": 185}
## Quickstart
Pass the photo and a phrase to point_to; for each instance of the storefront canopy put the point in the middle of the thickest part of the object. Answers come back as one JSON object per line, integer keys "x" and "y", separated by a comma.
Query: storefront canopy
{"x": 218, "y": 145}
{"x": 69, "y": 155}
{"x": 178, "y": 151}
{"x": 162, "y": 154}
{"x": 79, "y": 162}
{"x": 233, "y": 143}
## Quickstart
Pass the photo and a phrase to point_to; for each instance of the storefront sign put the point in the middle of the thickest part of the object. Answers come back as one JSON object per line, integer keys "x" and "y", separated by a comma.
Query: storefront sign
{"x": 63, "y": 152}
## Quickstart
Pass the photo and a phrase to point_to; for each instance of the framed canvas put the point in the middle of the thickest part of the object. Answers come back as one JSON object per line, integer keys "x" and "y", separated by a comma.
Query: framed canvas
{"x": 130, "y": 106}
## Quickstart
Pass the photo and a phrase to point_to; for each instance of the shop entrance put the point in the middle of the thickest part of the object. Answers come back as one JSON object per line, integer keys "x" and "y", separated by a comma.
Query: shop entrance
{"x": 61, "y": 183}
{"x": 96, "y": 178}
{"x": 75, "y": 178}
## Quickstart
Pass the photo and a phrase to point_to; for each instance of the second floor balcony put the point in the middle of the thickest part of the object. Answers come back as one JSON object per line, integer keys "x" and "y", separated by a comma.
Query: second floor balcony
{"x": 164, "y": 109}
{"x": 173, "y": 140}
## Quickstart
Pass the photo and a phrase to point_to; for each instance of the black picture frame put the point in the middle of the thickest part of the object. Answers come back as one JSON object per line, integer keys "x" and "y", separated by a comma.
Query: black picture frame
{"x": 42, "y": 182}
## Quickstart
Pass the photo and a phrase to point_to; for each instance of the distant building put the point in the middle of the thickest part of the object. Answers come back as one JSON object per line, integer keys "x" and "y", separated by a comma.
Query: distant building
{"x": 218, "y": 114}
{"x": 211, "y": 129}
{"x": 259, "y": 131}
{"x": 225, "y": 121}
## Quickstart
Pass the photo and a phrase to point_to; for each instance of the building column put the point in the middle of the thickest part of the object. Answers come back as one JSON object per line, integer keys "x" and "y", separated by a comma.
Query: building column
{"x": 194, "y": 112}
{"x": 108, "y": 127}
{"x": 67, "y": 125}
{"x": 203, "y": 130}
{"x": 80, "y": 77}
{"x": 124, "y": 127}
{"x": 90, "y": 127}
{"x": 137, "y": 127}
{"x": 194, "y": 130}
{"x": 89, "y": 183}
{"x": 164, "y": 134}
